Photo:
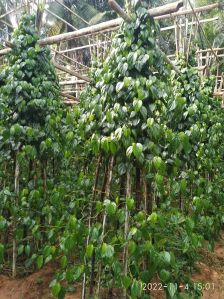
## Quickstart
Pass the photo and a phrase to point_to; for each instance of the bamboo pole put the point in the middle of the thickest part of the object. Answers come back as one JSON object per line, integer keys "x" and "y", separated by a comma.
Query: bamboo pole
{"x": 196, "y": 17}
{"x": 16, "y": 189}
{"x": 210, "y": 50}
{"x": 97, "y": 172}
{"x": 59, "y": 18}
{"x": 80, "y": 48}
{"x": 11, "y": 11}
{"x": 126, "y": 228}
{"x": 71, "y": 72}
{"x": 71, "y": 11}
{"x": 107, "y": 194}
{"x": 72, "y": 82}
{"x": 81, "y": 32}
{"x": 205, "y": 8}
{"x": 116, "y": 7}
{"x": 166, "y": 9}
{"x": 191, "y": 23}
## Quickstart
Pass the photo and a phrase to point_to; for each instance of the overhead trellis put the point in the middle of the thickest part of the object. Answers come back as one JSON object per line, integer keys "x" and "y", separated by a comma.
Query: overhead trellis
{"x": 74, "y": 62}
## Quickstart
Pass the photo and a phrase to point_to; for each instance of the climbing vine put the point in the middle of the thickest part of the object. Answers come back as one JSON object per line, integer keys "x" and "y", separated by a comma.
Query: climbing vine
{"x": 121, "y": 191}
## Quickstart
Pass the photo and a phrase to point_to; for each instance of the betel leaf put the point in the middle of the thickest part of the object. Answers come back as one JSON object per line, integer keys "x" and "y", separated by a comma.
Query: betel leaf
{"x": 55, "y": 288}
{"x": 172, "y": 288}
{"x": 130, "y": 203}
{"x": 40, "y": 261}
{"x": 89, "y": 250}
{"x": 2, "y": 248}
{"x": 165, "y": 256}
{"x": 136, "y": 289}
{"x": 132, "y": 246}
{"x": 63, "y": 261}
{"x": 119, "y": 86}
{"x": 137, "y": 104}
{"x": 137, "y": 149}
{"x": 164, "y": 275}
{"x": 126, "y": 281}
{"x": 107, "y": 250}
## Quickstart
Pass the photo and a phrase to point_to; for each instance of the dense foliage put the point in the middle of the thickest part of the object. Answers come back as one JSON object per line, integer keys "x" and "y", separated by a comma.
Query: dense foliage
{"x": 121, "y": 191}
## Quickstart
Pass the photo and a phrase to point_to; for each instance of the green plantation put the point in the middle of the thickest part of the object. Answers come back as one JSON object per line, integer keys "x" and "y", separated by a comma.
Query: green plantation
{"x": 121, "y": 191}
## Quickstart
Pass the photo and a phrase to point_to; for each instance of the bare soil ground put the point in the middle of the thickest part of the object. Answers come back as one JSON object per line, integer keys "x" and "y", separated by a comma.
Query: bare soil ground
{"x": 36, "y": 286}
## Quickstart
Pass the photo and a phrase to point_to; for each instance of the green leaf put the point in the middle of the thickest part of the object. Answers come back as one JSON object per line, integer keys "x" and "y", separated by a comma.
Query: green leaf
{"x": 63, "y": 261}
{"x": 136, "y": 289}
{"x": 172, "y": 288}
{"x": 137, "y": 149}
{"x": 165, "y": 256}
{"x": 119, "y": 86}
{"x": 126, "y": 281}
{"x": 111, "y": 207}
{"x": 70, "y": 136}
{"x": 40, "y": 261}
{"x": 131, "y": 246}
{"x": 69, "y": 243}
{"x": 27, "y": 250}
{"x": 130, "y": 203}
{"x": 137, "y": 104}
{"x": 55, "y": 288}
{"x": 164, "y": 275}
{"x": 89, "y": 250}
{"x": 1, "y": 252}
{"x": 107, "y": 250}
{"x": 129, "y": 151}
{"x": 20, "y": 249}
{"x": 153, "y": 218}
{"x": 157, "y": 162}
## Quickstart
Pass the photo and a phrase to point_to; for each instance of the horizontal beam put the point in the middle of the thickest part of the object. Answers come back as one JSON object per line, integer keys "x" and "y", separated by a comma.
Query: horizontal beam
{"x": 190, "y": 11}
{"x": 71, "y": 72}
{"x": 191, "y": 23}
{"x": 210, "y": 50}
{"x": 71, "y": 102}
{"x": 72, "y": 82}
{"x": 165, "y": 9}
{"x": 82, "y": 47}
{"x": 80, "y": 33}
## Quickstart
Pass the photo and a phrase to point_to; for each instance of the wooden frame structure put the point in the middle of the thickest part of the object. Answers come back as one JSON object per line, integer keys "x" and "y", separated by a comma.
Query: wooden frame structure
{"x": 96, "y": 42}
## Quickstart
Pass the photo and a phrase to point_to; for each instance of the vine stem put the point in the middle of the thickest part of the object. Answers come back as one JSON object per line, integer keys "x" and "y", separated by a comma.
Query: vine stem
{"x": 107, "y": 195}
{"x": 16, "y": 189}
{"x": 126, "y": 228}
{"x": 90, "y": 218}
